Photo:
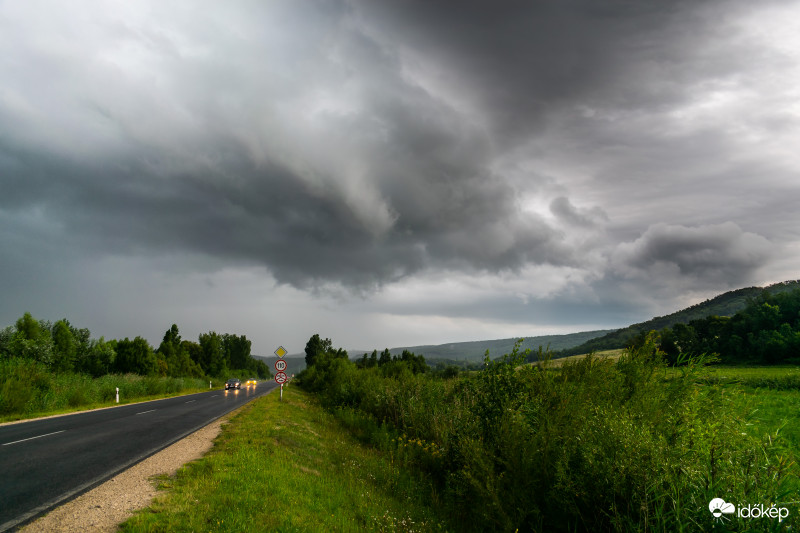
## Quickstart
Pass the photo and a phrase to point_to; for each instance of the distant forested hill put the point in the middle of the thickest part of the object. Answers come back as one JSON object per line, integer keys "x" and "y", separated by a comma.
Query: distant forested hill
{"x": 472, "y": 352}
{"x": 726, "y": 304}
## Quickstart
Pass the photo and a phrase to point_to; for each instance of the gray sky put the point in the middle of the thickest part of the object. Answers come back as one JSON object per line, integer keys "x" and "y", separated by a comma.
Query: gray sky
{"x": 392, "y": 173}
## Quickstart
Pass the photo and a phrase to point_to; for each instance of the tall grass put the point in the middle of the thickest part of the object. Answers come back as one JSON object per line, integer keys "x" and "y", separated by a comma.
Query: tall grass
{"x": 596, "y": 445}
{"x": 28, "y": 388}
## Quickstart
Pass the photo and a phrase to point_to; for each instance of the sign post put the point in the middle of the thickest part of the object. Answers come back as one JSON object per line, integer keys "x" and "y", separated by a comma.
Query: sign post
{"x": 280, "y": 366}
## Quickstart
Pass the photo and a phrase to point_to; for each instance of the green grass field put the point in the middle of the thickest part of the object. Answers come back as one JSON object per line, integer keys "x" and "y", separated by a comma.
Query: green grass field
{"x": 769, "y": 397}
{"x": 289, "y": 466}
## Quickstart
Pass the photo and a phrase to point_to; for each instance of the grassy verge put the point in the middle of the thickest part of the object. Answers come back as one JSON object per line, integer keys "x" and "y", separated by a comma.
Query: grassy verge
{"x": 97, "y": 405}
{"x": 290, "y": 466}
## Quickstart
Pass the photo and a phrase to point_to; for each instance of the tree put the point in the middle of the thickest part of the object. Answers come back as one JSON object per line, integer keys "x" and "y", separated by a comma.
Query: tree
{"x": 213, "y": 358}
{"x": 6, "y": 335}
{"x": 386, "y": 357}
{"x": 181, "y": 362}
{"x": 30, "y": 328}
{"x": 171, "y": 342}
{"x": 99, "y": 359}
{"x": 415, "y": 362}
{"x": 316, "y": 347}
{"x": 64, "y": 346}
{"x": 178, "y": 357}
{"x": 237, "y": 349}
{"x": 83, "y": 345}
{"x": 32, "y": 340}
{"x": 135, "y": 356}
{"x": 261, "y": 368}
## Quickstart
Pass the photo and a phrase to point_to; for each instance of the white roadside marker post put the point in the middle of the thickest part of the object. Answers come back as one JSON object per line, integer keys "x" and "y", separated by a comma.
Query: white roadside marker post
{"x": 117, "y": 394}
{"x": 209, "y": 384}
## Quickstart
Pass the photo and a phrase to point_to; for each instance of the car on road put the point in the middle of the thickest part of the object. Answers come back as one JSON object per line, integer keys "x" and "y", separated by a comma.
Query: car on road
{"x": 252, "y": 382}
{"x": 233, "y": 383}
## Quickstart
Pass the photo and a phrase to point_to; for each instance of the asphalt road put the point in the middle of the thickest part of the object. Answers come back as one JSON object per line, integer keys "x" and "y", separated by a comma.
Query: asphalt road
{"x": 45, "y": 462}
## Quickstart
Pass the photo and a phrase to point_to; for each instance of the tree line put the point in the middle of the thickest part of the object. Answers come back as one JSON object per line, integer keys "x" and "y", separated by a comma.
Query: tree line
{"x": 62, "y": 347}
{"x": 766, "y": 331}
{"x": 321, "y": 351}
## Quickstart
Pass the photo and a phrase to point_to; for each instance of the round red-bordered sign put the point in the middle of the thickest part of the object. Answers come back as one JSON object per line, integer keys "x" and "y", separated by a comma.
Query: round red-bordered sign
{"x": 280, "y": 365}
{"x": 281, "y": 378}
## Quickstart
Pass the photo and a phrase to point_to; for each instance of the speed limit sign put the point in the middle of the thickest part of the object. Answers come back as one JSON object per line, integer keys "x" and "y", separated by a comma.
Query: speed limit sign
{"x": 281, "y": 378}
{"x": 280, "y": 365}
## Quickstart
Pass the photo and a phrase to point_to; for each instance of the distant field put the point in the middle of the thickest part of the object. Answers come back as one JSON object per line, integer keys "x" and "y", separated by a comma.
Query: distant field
{"x": 610, "y": 354}
{"x": 756, "y": 376}
{"x": 769, "y": 397}
{"x": 607, "y": 354}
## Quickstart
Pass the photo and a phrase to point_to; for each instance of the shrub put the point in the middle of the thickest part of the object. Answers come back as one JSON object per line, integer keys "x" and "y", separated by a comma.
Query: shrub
{"x": 27, "y": 387}
{"x": 592, "y": 446}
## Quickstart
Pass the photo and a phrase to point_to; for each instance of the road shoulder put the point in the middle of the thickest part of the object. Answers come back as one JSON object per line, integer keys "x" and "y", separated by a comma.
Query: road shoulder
{"x": 106, "y": 506}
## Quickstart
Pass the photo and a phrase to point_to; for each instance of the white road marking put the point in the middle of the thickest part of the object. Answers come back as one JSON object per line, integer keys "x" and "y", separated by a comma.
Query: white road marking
{"x": 190, "y": 401}
{"x": 36, "y": 437}
{"x": 150, "y": 411}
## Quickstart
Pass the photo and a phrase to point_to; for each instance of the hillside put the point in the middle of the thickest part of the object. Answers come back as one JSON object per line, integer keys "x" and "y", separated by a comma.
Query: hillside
{"x": 464, "y": 353}
{"x": 472, "y": 352}
{"x": 726, "y": 304}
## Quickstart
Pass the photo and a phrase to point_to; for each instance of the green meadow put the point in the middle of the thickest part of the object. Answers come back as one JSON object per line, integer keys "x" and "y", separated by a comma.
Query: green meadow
{"x": 768, "y": 398}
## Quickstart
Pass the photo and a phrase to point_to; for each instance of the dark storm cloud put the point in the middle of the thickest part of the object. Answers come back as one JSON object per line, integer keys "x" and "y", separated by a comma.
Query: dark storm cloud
{"x": 364, "y": 143}
{"x": 524, "y": 62}
{"x": 382, "y": 180}
{"x": 700, "y": 256}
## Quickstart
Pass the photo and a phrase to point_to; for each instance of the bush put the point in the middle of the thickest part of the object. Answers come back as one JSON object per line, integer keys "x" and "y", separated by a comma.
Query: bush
{"x": 22, "y": 383}
{"x": 27, "y": 387}
{"x": 592, "y": 446}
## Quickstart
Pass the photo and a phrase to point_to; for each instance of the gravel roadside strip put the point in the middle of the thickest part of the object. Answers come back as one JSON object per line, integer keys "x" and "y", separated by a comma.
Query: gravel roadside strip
{"x": 106, "y": 506}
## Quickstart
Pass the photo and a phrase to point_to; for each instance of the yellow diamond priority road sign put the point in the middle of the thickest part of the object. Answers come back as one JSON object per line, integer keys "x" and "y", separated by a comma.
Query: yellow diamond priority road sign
{"x": 280, "y": 352}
